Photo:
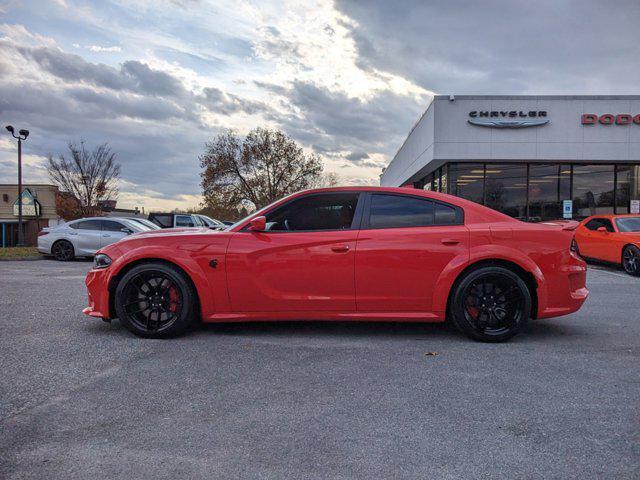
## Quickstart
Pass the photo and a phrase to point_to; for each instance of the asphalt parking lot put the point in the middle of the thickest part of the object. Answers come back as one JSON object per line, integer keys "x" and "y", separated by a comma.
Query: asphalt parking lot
{"x": 80, "y": 398}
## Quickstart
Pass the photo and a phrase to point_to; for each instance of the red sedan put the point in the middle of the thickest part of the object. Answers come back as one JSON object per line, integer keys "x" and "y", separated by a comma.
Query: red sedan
{"x": 345, "y": 254}
{"x": 611, "y": 238}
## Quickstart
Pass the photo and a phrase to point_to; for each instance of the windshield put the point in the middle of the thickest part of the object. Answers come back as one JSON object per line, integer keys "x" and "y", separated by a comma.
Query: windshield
{"x": 135, "y": 226}
{"x": 258, "y": 213}
{"x": 147, "y": 223}
{"x": 210, "y": 222}
{"x": 631, "y": 224}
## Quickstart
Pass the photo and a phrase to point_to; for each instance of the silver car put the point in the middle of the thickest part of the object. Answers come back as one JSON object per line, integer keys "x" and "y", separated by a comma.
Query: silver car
{"x": 84, "y": 237}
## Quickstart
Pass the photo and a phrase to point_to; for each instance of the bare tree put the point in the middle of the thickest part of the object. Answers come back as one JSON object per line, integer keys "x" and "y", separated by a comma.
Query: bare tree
{"x": 90, "y": 176}
{"x": 263, "y": 167}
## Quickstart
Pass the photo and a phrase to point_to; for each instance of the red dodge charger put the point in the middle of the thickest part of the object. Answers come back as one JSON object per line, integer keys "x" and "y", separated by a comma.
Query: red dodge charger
{"x": 366, "y": 253}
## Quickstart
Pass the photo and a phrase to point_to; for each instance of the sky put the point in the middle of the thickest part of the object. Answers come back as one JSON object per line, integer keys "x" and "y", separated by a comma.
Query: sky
{"x": 346, "y": 79}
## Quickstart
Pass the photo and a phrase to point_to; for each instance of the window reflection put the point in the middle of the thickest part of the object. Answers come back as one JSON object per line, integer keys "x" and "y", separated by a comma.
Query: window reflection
{"x": 592, "y": 190}
{"x": 466, "y": 180}
{"x": 549, "y": 185}
{"x": 506, "y": 189}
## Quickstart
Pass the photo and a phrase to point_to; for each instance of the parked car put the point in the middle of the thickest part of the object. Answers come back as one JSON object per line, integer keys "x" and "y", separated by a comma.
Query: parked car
{"x": 346, "y": 254}
{"x": 83, "y": 237}
{"x": 612, "y": 239}
{"x": 145, "y": 222}
{"x": 211, "y": 222}
{"x": 175, "y": 220}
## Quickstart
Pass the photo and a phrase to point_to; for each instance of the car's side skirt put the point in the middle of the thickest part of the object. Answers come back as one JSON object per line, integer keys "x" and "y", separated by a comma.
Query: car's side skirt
{"x": 326, "y": 316}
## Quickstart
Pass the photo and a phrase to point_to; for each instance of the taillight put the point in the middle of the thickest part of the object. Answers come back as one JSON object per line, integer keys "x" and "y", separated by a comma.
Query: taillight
{"x": 574, "y": 246}
{"x": 42, "y": 234}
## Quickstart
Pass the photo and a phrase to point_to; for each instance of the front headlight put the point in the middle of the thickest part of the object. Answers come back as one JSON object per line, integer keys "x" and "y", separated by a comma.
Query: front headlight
{"x": 101, "y": 261}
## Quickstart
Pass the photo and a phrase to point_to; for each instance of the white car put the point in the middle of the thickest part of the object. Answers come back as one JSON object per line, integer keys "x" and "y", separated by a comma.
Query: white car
{"x": 84, "y": 237}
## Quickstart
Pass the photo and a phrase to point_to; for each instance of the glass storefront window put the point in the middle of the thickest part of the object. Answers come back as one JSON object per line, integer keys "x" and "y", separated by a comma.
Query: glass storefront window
{"x": 549, "y": 185}
{"x": 592, "y": 190}
{"x": 466, "y": 180}
{"x": 627, "y": 186}
{"x": 506, "y": 189}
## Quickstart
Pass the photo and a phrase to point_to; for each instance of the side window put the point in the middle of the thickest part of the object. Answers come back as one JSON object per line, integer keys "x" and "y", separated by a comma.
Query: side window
{"x": 165, "y": 221}
{"x": 333, "y": 211}
{"x": 89, "y": 225}
{"x": 592, "y": 224}
{"x": 75, "y": 225}
{"x": 184, "y": 221}
{"x": 596, "y": 223}
{"x": 446, "y": 215}
{"x": 394, "y": 211}
{"x": 112, "y": 226}
{"x": 199, "y": 222}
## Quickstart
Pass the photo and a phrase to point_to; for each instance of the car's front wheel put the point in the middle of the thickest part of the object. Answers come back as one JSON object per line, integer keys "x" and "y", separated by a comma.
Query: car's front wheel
{"x": 156, "y": 300}
{"x": 63, "y": 251}
{"x": 631, "y": 260}
{"x": 490, "y": 304}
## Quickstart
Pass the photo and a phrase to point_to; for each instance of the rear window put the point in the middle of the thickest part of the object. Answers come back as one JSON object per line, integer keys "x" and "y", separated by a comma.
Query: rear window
{"x": 88, "y": 225}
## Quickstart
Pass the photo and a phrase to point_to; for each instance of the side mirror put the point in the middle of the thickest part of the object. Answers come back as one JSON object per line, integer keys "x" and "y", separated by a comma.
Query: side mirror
{"x": 126, "y": 230}
{"x": 602, "y": 230}
{"x": 258, "y": 224}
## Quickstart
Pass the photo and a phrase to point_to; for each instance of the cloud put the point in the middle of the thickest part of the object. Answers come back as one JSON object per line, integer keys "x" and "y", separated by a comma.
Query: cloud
{"x": 496, "y": 47}
{"x": 98, "y": 48}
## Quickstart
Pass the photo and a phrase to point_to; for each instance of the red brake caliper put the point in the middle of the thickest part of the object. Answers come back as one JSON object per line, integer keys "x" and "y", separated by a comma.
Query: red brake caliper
{"x": 173, "y": 299}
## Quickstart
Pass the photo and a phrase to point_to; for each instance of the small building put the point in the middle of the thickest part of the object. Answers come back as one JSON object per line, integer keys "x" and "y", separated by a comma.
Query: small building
{"x": 38, "y": 211}
{"x": 532, "y": 157}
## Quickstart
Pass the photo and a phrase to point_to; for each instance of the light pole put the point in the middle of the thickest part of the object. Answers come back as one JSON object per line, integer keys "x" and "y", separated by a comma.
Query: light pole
{"x": 22, "y": 135}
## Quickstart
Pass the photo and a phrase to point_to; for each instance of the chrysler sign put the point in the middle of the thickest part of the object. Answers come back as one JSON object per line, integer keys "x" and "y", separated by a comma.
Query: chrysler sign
{"x": 508, "y": 118}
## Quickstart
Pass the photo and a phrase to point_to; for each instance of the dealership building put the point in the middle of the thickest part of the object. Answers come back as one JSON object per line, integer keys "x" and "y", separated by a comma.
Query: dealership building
{"x": 532, "y": 157}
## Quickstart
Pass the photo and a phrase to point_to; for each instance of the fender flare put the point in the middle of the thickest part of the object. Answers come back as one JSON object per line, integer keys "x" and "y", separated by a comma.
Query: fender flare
{"x": 178, "y": 258}
{"x": 452, "y": 272}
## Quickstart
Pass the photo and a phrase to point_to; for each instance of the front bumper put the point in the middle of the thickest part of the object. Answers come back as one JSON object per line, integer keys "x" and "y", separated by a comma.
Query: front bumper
{"x": 97, "y": 283}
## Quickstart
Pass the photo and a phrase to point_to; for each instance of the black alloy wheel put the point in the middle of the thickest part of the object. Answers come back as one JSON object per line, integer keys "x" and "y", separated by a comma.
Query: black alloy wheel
{"x": 491, "y": 304}
{"x": 155, "y": 300}
{"x": 631, "y": 260}
{"x": 63, "y": 251}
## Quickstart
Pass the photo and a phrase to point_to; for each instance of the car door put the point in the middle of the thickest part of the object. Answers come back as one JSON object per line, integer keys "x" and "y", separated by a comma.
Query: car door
{"x": 88, "y": 238}
{"x": 604, "y": 243}
{"x": 304, "y": 261}
{"x": 591, "y": 242}
{"x": 404, "y": 244}
{"x": 112, "y": 231}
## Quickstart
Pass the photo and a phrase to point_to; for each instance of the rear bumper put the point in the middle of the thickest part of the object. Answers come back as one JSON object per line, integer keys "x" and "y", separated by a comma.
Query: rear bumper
{"x": 97, "y": 283}
{"x": 567, "y": 289}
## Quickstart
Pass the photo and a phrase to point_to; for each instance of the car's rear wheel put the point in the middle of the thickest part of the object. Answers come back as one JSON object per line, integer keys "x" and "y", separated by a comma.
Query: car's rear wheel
{"x": 490, "y": 304}
{"x": 631, "y": 260}
{"x": 63, "y": 251}
{"x": 155, "y": 300}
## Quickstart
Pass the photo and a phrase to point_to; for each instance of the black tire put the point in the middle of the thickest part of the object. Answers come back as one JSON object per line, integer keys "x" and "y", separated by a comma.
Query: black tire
{"x": 631, "y": 260}
{"x": 156, "y": 300}
{"x": 490, "y": 304}
{"x": 63, "y": 251}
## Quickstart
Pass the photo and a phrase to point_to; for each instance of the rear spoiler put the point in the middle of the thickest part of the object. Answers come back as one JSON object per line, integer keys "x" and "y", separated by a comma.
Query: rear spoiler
{"x": 569, "y": 225}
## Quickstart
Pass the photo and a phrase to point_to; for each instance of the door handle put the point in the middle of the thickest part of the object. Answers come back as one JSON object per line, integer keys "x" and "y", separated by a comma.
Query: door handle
{"x": 450, "y": 241}
{"x": 106, "y": 235}
{"x": 340, "y": 248}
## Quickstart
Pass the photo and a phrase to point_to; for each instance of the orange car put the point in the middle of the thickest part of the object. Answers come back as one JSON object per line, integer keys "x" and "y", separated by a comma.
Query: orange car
{"x": 611, "y": 238}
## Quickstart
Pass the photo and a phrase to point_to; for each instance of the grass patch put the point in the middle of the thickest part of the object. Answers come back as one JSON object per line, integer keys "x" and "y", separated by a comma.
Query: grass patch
{"x": 17, "y": 253}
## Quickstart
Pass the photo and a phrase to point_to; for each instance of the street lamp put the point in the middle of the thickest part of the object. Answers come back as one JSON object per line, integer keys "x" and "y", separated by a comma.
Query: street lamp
{"x": 22, "y": 135}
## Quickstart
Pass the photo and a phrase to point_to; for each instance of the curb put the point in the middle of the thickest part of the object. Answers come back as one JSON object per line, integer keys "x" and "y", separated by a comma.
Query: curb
{"x": 23, "y": 259}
